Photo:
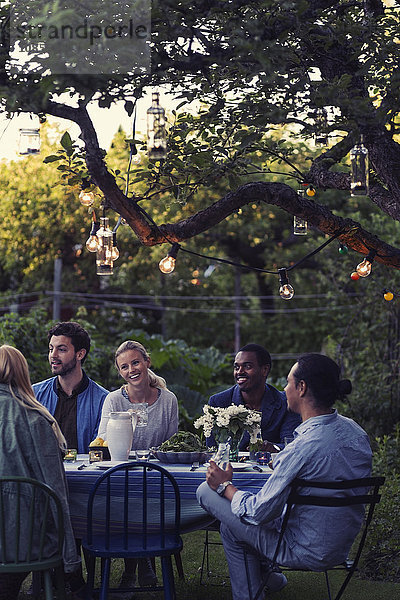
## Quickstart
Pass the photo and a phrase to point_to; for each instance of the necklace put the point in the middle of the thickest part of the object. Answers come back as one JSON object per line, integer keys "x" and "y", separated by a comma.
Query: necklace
{"x": 125, "y": 394}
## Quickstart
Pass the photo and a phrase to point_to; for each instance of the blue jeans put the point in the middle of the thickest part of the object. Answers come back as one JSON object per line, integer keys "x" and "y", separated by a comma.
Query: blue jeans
{"x": 263, "y": 537}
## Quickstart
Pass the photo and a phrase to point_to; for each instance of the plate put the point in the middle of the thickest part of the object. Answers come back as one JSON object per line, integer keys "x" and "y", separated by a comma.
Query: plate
{"x": 107, "y": 464}
{"x": 181, "y": 457}
{"x": 239, "y": 466}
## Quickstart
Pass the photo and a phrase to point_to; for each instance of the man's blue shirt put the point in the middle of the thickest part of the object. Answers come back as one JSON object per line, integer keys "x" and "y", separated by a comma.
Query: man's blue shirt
{"x": 276, "y": 421}
{"x": 325, "y": 448}
{"x": 89, "y": 406}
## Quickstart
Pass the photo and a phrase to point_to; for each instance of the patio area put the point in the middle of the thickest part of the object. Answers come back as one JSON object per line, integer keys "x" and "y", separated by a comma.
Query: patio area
{"x": 301, "y": 586}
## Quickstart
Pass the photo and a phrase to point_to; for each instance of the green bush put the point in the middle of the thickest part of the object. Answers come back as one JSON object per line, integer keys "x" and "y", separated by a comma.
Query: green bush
{"x": 193, "y": 374}
{"x": 382, "y": 549}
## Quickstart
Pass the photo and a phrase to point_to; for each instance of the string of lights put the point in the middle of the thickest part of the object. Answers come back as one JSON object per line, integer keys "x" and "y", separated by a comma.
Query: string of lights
{"x": 103, "y": 241}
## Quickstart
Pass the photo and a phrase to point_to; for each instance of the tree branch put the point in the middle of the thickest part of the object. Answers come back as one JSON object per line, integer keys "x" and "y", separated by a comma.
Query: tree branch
{"x": 277, "y": 194}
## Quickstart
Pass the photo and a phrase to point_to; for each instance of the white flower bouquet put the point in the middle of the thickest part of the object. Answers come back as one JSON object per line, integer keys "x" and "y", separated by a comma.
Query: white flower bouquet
{"x": 231, "y": 421}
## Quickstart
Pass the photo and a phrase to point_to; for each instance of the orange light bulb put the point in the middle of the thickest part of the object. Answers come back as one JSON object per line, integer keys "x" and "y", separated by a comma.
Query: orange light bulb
{"x": 86, "y": 198}
{"x": 167, "y": 264}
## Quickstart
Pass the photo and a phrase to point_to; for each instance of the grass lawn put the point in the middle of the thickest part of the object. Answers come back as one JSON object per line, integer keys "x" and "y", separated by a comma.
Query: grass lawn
{"x": 301, "y": 586}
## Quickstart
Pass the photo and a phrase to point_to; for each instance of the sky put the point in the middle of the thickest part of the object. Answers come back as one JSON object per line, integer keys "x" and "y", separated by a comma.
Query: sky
{"x": 106, "y": 122}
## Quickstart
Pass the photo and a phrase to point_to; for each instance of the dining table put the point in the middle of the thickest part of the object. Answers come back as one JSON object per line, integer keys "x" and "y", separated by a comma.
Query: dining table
{"x": 81, "y": 475}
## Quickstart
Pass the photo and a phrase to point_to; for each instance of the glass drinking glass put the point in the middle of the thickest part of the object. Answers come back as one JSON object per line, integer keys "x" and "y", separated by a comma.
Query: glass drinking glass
{"x": 70, "y": 455}
{"x": 142, "y": 413}
{"x": 142, "y": 454}
{"x": 95, "y": 456}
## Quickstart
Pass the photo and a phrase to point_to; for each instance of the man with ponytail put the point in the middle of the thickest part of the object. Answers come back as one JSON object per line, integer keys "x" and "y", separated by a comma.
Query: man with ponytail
{"x": 326, "y": 447}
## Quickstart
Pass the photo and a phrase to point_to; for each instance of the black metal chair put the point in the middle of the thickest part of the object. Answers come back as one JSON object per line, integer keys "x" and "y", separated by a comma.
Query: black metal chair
{"x": 205, "y": 563}
{"x": 36, "y": 512}
{"x": 133, "y": 514}
{"x": 370, "y": 499}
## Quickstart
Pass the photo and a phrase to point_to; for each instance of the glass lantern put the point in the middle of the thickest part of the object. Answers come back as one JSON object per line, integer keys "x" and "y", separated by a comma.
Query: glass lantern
{"x": 156, "y": 134}
{"x": 104, "y": 261}
{"x": 359, "y": 170}
{"x": 29, "y": 141}
{"x": 300, "y": 225}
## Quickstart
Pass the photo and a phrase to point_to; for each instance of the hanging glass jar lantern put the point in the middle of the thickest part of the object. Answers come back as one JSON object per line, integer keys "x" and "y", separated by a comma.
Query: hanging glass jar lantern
{"x": 29, "y": 141}
{"x": 104, "y": 261}
{"x": 300, "y": 226}
{"x": 156, "y": 134}
{"x": 321, "y": 124}
{"x": 359, "y": 169}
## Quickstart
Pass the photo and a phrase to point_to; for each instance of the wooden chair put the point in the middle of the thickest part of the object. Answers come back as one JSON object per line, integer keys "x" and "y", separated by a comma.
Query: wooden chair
{"x": 140, "y": 518}
{"x": 37, "y": 513}
{"x": 369, "y": 499}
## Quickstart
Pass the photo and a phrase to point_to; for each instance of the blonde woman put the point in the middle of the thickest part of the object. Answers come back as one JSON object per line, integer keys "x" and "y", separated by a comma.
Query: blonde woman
{"x": 30, "y": 446}
{"x": 142, "y": 387}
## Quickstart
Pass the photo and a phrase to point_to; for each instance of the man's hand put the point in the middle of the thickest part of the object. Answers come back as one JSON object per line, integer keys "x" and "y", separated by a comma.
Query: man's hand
{"x": 215, "y": 475}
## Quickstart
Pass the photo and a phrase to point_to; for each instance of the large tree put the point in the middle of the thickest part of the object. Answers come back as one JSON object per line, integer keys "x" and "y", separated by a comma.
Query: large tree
{"x": 254, "y": 66}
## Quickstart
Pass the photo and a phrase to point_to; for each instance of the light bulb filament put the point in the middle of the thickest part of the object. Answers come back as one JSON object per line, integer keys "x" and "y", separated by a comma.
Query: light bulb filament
{"x": 167, "y": 264}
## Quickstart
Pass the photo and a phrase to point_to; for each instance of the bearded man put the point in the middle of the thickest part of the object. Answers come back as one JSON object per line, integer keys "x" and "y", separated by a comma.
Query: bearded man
{"x": 70, "y": 396}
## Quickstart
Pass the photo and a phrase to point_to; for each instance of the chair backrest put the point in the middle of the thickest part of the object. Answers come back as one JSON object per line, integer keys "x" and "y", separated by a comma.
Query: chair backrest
{"x": 369, "y": 496}
{"x": 133, "y": 498}
{"x": 31, "y": 524}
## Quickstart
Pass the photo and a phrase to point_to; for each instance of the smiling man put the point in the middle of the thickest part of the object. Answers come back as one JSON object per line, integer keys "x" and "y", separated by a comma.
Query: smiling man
{"x": 250, "y": 370}
{"x": 75, "y": 400}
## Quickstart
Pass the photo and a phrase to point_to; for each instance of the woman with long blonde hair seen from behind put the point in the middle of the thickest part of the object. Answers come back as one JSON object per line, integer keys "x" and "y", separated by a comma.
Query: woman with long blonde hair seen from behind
{"x": 141, "y": 386}
{"x": 30, "y": 446}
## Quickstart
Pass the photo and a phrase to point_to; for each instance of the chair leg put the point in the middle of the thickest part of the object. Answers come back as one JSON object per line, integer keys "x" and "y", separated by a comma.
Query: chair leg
{"x": 205, "y": 559}
{"x": 48, "y": 587}
{"x": 328, "y": 587}
{"x": 91, "y": 569}
{"x": 344, "y": 584}
{"x": 36, "y": 583}
{"x": 168, "y": 578}
{"x": 179, "y": 565}
{"x": 260, "y": 590}
{"x": 105, "y": 579}
{"x": 60, "y": 584}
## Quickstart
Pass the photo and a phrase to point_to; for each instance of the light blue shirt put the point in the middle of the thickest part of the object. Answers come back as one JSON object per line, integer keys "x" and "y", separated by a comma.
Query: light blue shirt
{"x": 325, "y": 448}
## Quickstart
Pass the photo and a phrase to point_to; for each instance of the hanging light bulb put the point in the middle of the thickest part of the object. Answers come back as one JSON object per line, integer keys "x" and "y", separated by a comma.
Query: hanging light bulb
{"x": 310, "y": 191}
{"x": 156, "y": 135}
{"x": 359, "y": 170}
{"x": 354, "y": 276}
{"x": 92, "y": 242}
{"x": 365, "y": 266}
{"x": 286, "y": 291}
{"x": 388, "y": 295}
{"x": 114, "y": 251}
{"x": 104, "y": 261}
{"x": 343, "y": 249}
{"x": 167, "y": 264}
{"x": 86, "y": 197}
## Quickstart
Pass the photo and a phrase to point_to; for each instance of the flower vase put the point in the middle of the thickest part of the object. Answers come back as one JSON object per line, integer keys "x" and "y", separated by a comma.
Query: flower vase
{"x": 234, "y": 443}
